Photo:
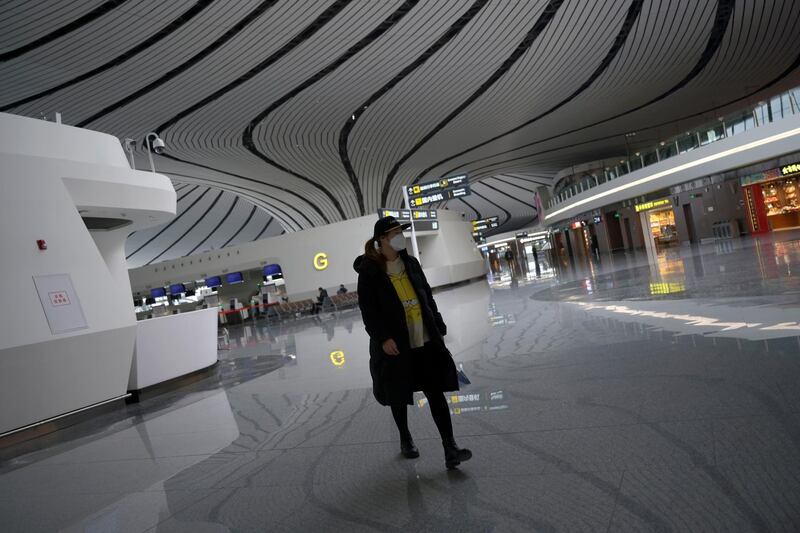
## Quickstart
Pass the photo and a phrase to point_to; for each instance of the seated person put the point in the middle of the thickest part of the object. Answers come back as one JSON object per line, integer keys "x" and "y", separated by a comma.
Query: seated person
{"x": 323, "y": 295}
{"x": 342, "y": 289}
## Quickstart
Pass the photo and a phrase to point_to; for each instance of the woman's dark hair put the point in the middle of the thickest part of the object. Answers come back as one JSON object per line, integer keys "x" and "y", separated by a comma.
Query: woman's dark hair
{"x": 372, "y": 252}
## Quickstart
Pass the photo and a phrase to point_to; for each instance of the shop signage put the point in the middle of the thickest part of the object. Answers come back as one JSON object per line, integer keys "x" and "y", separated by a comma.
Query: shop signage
{"x": 576, "y": 225}
{"x": 760, "y": 177}
{"x": 597, "y": 219}
{"x": 321, "y": 261}
{"x": 522, "y": 234}
{"x": 651, "y": 205}
{"x": 790, "y": 169}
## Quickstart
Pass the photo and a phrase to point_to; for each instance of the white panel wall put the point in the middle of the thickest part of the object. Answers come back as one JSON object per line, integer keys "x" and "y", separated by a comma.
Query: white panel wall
{"x": 174, "y": 345}
{"x": 448, "y": 257}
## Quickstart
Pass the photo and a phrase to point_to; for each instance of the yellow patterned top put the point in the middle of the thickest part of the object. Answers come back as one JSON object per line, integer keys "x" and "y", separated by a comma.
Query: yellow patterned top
{"x": 405, "y": 291}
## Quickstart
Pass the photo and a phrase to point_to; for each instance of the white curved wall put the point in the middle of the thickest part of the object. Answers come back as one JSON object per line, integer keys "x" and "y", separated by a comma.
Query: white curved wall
{"x": 47, "y": 173}
{"x": 448, "y": 256}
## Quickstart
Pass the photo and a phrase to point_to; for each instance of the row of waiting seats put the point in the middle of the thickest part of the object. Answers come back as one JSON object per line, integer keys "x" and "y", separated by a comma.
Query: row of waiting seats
{"x": 342, "y": 301}
{"x": 302, "y": 307}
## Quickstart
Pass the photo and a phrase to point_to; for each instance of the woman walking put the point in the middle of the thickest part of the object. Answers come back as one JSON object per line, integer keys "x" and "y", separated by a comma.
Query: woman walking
{"x": 406, "y": 348}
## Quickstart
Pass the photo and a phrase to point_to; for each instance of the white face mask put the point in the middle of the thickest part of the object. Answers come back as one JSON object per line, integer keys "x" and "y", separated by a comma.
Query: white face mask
{"x": 398, "y": 242}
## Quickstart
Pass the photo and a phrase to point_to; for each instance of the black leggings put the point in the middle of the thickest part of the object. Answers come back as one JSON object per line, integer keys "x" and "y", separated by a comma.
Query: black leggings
{"x": 439, "y": 410}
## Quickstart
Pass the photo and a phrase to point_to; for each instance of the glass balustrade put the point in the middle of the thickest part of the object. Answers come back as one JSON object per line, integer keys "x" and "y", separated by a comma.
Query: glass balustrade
{"x": 777, "y": 108}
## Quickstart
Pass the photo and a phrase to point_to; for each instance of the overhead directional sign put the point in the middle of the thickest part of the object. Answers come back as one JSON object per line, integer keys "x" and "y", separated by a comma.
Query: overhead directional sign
{"x": 424, "y": 219}
{"x": 425, "y": 189}
{"x": 405, "y": 214}
{"x": 485, "y": 224}
{"x": 448, "y": 194}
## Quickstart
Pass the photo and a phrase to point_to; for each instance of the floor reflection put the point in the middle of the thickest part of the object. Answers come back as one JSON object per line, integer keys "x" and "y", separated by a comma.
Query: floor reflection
{"x": 744, "y": 267}
{"x": 682, "y": 363}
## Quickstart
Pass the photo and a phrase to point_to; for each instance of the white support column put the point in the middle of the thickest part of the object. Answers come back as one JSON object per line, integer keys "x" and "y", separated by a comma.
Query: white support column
{"x": 414, "y": 248}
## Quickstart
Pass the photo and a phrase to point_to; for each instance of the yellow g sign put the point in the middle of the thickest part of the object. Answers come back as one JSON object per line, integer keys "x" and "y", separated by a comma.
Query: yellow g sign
{"x": 321, "y": 261}
{"x": 337, "y": 358}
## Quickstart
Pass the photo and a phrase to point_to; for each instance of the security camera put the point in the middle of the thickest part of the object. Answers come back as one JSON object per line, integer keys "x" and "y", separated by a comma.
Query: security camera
{"x": 158, "y": 145}
{"x": 154, "y": 143}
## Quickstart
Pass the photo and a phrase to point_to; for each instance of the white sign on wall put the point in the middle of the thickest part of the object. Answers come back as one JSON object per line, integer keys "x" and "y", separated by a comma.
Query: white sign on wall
{"x": 60, "y": 303}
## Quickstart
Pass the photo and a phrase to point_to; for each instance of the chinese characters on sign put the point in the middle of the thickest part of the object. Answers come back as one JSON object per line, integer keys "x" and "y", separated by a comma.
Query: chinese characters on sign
{"x": 424, "y": 219}
{"x": 59, "y": 298}
{"x": 60, "y": 303}
{"x": 437, "y": 186}
{"x": 650, "y": 205}
{"x": 790, "y": 169}
{"x": 438, "y": 191}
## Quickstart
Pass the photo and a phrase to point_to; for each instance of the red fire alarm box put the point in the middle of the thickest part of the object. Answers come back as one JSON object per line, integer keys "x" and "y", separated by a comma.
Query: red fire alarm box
{"x": 41, "y": 244}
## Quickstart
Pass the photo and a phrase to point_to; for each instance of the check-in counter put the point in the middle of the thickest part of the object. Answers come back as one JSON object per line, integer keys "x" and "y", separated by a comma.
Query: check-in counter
{"x": 171, "y": 346}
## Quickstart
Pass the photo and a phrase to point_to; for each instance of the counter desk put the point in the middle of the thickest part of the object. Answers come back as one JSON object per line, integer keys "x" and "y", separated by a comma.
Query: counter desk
{"x": 171, "y": 346}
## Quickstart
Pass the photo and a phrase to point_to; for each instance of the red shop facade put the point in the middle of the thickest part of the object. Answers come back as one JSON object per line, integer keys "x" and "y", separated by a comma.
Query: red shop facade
{"x": 772, "y": 199}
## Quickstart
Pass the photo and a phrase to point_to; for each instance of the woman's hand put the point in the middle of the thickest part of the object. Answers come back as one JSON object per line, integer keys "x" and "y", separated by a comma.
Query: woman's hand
{"x": 390, "y": 347}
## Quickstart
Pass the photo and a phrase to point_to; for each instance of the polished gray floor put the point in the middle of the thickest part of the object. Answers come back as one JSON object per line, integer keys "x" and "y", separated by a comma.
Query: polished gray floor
{"x": 637, "y": 394}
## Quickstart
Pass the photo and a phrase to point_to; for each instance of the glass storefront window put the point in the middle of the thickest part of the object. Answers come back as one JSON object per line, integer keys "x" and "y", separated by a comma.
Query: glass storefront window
{"x": 636, "y": 163}
{"x": 650, "y": 158}
{"x": 662, "y": 228}
{"x": 781, "y": 201}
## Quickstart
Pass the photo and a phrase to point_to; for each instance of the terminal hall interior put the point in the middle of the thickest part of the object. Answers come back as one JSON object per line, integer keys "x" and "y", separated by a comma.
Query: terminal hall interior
{"x": 399, "y": 265}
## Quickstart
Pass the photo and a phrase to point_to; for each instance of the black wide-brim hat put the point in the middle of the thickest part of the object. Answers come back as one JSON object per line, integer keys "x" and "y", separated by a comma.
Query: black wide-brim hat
{"x": 387, "y": 224}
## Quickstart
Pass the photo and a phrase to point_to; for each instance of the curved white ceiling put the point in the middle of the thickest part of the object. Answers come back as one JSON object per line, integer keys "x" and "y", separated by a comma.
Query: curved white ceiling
{"x": 207, "y": 218}
{"x": 320, "y": 110}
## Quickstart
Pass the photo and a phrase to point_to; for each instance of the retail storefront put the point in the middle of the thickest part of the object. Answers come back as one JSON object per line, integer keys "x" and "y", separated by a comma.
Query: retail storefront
{"x": 658, "y": 224}
{"x": 772, "y": 200}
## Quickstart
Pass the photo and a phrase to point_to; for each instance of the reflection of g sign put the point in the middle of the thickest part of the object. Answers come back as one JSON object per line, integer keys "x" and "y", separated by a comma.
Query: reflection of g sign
{"x": 321, "y": 261}
{"x": 337, "y": 358}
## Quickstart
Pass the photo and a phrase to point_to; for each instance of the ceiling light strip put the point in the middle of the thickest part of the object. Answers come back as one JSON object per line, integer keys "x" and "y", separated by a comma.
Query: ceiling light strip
{"x": 685, "y": 166}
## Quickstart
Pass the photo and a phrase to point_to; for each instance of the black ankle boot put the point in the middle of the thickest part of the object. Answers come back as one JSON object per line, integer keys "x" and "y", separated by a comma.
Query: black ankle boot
{"x": 408, "y": 449}
{"x": 453, "y": 455}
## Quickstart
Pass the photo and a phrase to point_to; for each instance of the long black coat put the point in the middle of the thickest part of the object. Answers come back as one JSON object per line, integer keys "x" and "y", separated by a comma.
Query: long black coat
{"x": 385, "y": 318}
